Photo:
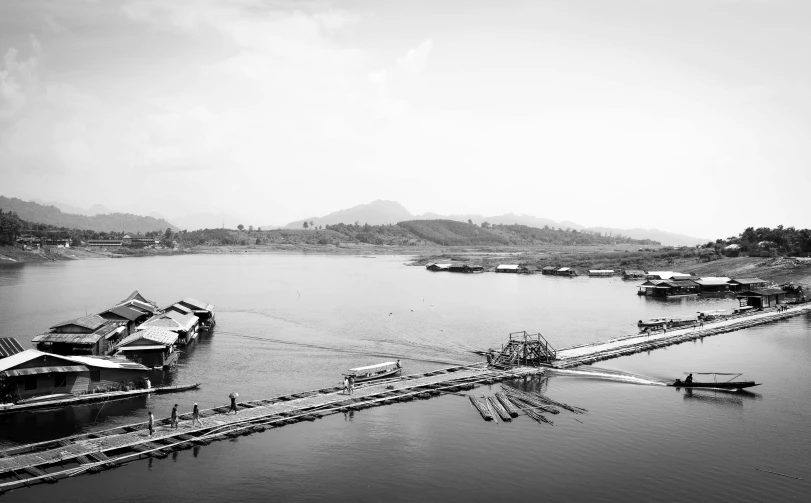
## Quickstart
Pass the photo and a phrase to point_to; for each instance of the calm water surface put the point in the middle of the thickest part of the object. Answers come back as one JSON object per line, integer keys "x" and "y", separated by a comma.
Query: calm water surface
{"x": 293, "y": 322}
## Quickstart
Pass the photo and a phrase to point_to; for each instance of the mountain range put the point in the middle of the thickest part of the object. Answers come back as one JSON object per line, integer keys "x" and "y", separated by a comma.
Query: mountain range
{"x": 110, "y": 222}
{"x": 382, "y": 212}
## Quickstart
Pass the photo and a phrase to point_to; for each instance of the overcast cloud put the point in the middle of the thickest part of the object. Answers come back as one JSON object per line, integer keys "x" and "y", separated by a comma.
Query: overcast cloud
{"x": 691, "y": 116}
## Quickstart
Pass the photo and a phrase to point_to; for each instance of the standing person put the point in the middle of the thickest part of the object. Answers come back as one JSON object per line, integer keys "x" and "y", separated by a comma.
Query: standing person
{"x": 195, "y": 416}
{"x": 351, "y": 384}
{"x": 346, "y": 385}
{"x": 174, "y": 416}
{"x": 233, "y": 403}
{"x": 151, "y": 423}
{"x": 147, "y": 383}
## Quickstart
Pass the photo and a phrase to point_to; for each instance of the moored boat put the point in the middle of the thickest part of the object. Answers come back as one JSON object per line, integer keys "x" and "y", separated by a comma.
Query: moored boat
{"x": 653, "y": 323}
{"x": 683, "y": 322}
{"x": 377, "y": 371}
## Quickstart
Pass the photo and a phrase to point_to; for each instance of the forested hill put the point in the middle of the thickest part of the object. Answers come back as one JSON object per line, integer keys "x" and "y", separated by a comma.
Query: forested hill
{"x": 112, "y": 222}
{"x": 451, "y": 232}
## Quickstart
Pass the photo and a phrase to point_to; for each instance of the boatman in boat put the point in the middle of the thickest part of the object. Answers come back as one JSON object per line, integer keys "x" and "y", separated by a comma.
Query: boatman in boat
{"x": 689, "y": 379}
{"x": 398, "y": 364}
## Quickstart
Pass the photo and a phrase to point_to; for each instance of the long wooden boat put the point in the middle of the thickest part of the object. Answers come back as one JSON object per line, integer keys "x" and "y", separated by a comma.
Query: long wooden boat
{"x": 653, "y": 323}
{"x": 728, "y": 384}
{"x": 377, "y": 371}
{"x": 58, "y": 402}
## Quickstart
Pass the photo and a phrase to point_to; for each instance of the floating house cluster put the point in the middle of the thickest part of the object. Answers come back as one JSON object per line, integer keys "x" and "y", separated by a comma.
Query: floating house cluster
{"x": 100, "y": 352}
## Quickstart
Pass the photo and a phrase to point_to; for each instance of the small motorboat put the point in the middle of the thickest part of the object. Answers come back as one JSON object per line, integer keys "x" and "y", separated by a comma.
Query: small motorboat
{"x": 376, "y": 371}
{"x": 729, "y": 384}
{"x": 684, "y": 322}
{"x": 653, "y": 323}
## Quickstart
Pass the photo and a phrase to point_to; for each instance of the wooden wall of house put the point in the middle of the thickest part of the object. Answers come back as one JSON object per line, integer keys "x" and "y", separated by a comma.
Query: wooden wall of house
{"x": 74, "y": 382}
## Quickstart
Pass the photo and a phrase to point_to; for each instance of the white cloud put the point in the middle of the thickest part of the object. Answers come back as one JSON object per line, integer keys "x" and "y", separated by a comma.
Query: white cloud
{"x": 416, "y": 60}
{"x": 18, "y": 79}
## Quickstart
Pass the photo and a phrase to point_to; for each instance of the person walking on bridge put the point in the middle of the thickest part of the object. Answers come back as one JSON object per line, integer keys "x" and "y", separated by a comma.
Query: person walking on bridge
{"x": 174, "y": 417}
{"x": 195, "y": 416}
{"x": 151, "y": 423}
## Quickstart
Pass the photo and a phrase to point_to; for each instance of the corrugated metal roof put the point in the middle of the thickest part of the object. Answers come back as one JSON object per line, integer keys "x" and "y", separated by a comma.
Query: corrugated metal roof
{"x": 107, "y": 363}
{"x": 172, "y": 320}
{"x": 91, "y": 321}
{"x": 154, "y": 334}
{"x": 9, "y": 346}
{"x": 126, "y": 312}
{"x": 179, "y": 308}
{"x": 83, "y": 339}
{"x": 508, "y": 266}
{"x": 46, "y": 370}
{"x": 198, "y": 304}
{"x": 26, "y": 356}
{"x": 713, "y": 281}
{"x": 137, "y": 304}
{"x": 604, "y": 271}
{"x": 747, "y": 281}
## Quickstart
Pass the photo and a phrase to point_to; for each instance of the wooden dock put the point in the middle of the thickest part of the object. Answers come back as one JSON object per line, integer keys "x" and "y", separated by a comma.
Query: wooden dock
{"x": 589, "y": 353}
{"x": 90, "y": 452}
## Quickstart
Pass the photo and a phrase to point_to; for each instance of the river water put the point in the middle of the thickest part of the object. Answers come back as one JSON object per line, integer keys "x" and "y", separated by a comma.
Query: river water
{"x": 289, "y": 323}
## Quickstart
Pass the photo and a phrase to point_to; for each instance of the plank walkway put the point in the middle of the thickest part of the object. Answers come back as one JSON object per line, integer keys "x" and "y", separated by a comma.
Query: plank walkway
{"x": 90, "y": 452}
{"x": 589, "y": 353}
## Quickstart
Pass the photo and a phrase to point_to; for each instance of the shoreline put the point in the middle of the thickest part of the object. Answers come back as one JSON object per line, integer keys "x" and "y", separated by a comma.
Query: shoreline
{"x": 775, "y": 269}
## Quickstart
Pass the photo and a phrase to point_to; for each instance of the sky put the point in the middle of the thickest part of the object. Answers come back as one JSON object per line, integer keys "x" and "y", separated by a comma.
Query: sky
{"x": 690, "y": 116}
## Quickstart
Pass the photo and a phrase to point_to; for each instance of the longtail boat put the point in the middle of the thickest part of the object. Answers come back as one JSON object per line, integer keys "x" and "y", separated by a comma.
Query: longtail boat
{"x": 376, "y": 371}
{"x": 729, "y": 384}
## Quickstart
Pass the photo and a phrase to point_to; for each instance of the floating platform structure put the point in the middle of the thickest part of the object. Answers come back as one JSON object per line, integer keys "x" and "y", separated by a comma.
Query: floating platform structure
{"x": 593, "y": 352}
{"x": 90, "y": 452}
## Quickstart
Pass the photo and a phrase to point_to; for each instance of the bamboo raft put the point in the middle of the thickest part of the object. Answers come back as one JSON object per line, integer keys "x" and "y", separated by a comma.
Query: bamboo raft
{"x": 49, "y": 461}
{"x": 586, "y": 354}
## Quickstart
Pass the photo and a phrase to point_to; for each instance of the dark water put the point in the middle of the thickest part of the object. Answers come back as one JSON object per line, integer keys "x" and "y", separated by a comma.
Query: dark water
{"x": 291, "y": 323}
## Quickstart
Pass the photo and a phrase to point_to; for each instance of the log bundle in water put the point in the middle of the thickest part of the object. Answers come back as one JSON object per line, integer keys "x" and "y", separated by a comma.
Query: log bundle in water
{"x": 505, "y": 402}
{"x": 499, "y": 409}
{"x": 482, "y": 408}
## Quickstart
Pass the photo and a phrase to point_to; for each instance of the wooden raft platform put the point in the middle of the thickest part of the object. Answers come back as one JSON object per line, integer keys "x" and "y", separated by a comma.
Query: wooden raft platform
{"x": 589, "y": 353}
{"x": 90, "y": 452}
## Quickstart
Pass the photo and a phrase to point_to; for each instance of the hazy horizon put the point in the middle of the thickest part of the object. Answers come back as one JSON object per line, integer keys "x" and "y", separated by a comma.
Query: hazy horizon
{"x": 680, "y": 116}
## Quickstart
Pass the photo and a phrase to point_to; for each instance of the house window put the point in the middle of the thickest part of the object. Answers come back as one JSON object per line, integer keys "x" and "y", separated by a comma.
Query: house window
{"x": 95, "y": 375}
{"x": 30, "y": 383}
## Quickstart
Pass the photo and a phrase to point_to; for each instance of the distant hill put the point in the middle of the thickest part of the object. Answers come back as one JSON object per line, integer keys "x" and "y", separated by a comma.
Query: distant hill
{"x": 375, "y": 213}
{"x": 666, "y": 238}
{"x": 96, "y": 209}
{"x": 452, "y": 232}
{"x": 112, "y": 222}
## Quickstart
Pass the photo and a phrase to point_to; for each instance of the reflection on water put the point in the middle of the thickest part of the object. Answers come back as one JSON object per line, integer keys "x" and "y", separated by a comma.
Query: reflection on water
{"x": 293, "y": 323}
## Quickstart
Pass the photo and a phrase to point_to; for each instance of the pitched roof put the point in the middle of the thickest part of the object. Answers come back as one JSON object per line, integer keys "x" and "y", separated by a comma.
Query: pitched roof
{"x": 763, "y": 292}
{"x": 172, "y": 320}
{"x": 26, "y": 356}
{"x": 135, "y": 295}
{"x": 179, "y": 308}
{"x": 154, "y": 334}
{"x": 197, "y": 304}
{"x": 508, "y": 266}
{"x": 564, "y": 269}
{"x": 9, "y": 346}
{"x": 713, "y": 281}
{"x": 126, "y": 312}
{"x": 746, "y": 281}
{"x": 143, "y": 306}
{"x": 549, "y": 268}
{"x": 91, "y": 321}
{"x": 69, "y": 338}
{"x": 107, "y": 363}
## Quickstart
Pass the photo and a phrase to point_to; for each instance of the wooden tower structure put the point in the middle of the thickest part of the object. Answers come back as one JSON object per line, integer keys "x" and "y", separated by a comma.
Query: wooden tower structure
{"x": 524, "y": 349}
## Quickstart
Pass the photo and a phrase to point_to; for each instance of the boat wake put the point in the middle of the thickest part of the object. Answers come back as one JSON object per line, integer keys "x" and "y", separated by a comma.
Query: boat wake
{"x": 589, "y": 372}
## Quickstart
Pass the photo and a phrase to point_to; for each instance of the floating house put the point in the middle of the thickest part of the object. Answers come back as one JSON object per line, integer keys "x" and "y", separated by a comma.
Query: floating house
{"x": 88, "y": 335}
{"x": 152, "y": 347}
{"x": 566, "y": 271}
{"x": 760, "y": 299}
{"x": 549, "y": 270}
{"x": 661, "y": 274}
{"x": 465, "y": 268}
{"x": 634, "y": 274}
{"x": 713, "y": 284}
{"x": 601, "y": 272}
{"x": 32, "y": 373}
{"x": 203, "y": 311}
{"x": 103, "y": 243}
{"x": 667, "y": 288}
{"x": 131, "y": 316}
{"x": 438, "y": 267}
{"x": 746, "y": 284}
{"x": 184, "y": 325}
{"x": 512, "y": 268}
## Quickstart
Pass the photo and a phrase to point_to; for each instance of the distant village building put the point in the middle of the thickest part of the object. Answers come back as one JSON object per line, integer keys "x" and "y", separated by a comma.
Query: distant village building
{"x": 565, "y": 271}
{"x": 661, "y": 274}
{"x": 438, "y": 267}
{"x": 203, "y": 310}
{"x": 184, "y": 325}
{"x": 633, "y": 274}
{"x": 668, "y": 288}
{"x": 761, "y": 299}
{"x": 601, "y": 272}
{"x": 511, "y": 268}
{"x": 746, "y": 284}
{"x": 131, "y": 316}
{"x": 713, "y": 284}
{"x": 548, "y": 270}
{"x": 465, "y": 268}
{"x": 103, "y": 243}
